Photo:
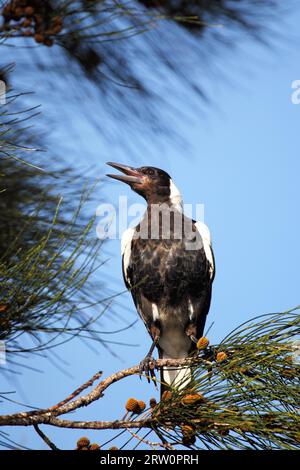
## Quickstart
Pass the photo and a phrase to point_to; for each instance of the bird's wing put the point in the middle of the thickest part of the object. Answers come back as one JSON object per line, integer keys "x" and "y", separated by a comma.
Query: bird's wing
{"x": 202, "y": 267}
{"x": 207, "y": 245}
{"x": 145, "y": 308}
{"x": 126, "y": 253}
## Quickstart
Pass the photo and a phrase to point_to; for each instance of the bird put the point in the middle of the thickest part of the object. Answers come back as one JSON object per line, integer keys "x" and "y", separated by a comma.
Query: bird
{"x": 168, "y": 266}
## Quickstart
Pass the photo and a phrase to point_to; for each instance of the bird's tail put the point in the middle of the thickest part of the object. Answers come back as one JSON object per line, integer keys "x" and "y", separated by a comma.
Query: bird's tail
{"x": 174, "y": 377}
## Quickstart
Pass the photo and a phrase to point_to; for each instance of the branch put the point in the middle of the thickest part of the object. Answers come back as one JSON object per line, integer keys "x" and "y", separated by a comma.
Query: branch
{"x": 65, "y": 423}
{"x": 77, "y": 392}
{"x": 49, "y": 415}
{"x": 45, "y": 438}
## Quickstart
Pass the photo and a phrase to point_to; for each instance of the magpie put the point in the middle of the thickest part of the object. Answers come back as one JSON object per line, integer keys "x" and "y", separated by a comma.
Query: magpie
{"x": 168, "y": 266}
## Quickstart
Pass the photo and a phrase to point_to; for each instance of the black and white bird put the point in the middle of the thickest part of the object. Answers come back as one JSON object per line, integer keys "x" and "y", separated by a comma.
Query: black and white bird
{"x": 168, "y": 271}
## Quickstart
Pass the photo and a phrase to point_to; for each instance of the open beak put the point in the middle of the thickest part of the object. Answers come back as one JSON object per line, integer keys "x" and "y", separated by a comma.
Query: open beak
{"x": 131, "y": 175}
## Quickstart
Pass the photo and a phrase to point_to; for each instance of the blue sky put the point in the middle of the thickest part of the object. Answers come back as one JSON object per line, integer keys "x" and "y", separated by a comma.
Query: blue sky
{"x": 241, "y": 160}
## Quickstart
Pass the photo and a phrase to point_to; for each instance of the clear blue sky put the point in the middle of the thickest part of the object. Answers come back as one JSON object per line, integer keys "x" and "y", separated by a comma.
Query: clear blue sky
{"x": 242, "y": 161}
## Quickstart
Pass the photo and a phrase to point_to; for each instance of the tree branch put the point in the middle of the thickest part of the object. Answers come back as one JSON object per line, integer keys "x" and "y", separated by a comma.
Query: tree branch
{"x": 49, "y": 415}
{"x": 65, "y": 423}
{"x": 45, "y": 438}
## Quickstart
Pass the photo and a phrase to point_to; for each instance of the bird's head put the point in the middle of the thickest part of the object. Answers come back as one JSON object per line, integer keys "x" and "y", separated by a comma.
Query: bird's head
{"x": 155, "y": 185}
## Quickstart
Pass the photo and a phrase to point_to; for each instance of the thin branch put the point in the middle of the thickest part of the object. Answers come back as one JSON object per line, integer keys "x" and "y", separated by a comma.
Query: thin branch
{"x": 45, "y": 438}
{"x": 77, "y": 392}
{"x": 65, "y": 423}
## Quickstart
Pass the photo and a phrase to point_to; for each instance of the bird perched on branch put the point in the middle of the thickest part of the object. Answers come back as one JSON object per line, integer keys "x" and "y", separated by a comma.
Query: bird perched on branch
{"x": 168, "y": 265}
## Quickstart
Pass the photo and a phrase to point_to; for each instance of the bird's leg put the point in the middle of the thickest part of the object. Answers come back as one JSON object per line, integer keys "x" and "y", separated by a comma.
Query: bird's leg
{"x": 147, "y": 365}
{"x": 191, "y": 332}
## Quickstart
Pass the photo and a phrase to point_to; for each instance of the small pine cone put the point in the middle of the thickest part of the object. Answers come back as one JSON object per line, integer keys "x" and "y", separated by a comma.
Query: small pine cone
{"x": 152, "y": 402}
{"x": 187, "y": 429}
{"x": 191, "y": 399}
{"x": 114, "y": 448}
{"x": 221, "y": 356}
{"x": 167, "y": 395}
{"x": 142, "y": 405}
{"x": 56, "y": 29}
{"x": 39, "y": 38}
{"x": 202, "y": 343}
{"x": 83, "y": 442}
{"x": 18, "y": 13}
{"x": 188, "y": 440}
{"x": 132, "y": 405}
{"x": 48, "y": 42}
{"x": 188, "y": 434}
{"x": 29, "y": 11}
{"x": 95, "y": 447}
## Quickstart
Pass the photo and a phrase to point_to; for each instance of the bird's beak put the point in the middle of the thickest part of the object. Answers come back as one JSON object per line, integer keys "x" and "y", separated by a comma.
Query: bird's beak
{"x": 131, "y": 175}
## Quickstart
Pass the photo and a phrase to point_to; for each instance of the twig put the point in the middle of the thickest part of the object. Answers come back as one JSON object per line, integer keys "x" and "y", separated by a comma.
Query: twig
{"x": 45, "y": 438}
{"x": 163, "y": 444}
{"x": 77, "y": 392}
{"x": 65, "y": 423}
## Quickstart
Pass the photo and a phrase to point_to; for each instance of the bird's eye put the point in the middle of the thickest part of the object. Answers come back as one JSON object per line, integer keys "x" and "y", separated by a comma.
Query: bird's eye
{"x": 150, "y": 172}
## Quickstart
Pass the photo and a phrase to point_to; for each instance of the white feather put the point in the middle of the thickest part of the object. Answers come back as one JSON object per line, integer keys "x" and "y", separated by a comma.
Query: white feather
{"x": 206, "y": 239}
{"x": 178, "y": 378}
{"x": 126, "y": 249}
{"x": 175, "y": 196}
{"x": 175, "y": 345}
{"x": 155, "y": 312}
{"x": 191, "y": 310}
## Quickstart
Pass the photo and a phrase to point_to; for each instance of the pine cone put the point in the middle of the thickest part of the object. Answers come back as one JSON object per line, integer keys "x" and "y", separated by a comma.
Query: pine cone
{"x": 202, "y": 343}
{"x": 221, "y": 356}
{"x": 83, "y": 442}
{"x": 191, "y": 399}
{"x": 132, "y": 405}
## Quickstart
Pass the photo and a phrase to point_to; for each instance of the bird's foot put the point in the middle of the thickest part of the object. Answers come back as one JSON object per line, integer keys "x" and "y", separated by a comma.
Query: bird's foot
{"x": 194, "y": 339}
{"x": 147, "y": 366}
{"x": 191, "y": 333}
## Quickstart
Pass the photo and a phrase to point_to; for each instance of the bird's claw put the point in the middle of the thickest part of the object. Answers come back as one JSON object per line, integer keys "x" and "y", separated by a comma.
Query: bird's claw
{"x": 194, "y": 339}
{"x": 147, "y": 366}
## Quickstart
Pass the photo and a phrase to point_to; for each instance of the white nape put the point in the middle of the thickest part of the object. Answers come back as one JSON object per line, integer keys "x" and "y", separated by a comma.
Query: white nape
{"x": 175, "y": 196}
